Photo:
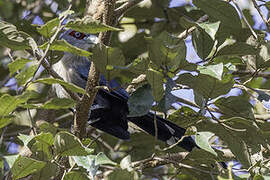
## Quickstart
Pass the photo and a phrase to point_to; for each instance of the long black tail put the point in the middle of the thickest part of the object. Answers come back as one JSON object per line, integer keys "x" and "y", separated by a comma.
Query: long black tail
{"x": 166, "y": 130}
{"x": 109, "y": 114}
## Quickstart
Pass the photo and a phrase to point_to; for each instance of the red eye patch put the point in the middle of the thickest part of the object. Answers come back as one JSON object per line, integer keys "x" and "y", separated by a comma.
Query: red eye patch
{"x": 77, "y": 35}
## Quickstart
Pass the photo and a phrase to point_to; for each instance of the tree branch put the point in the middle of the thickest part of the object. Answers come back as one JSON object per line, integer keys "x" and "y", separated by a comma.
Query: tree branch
{"x": 81, "y": 116}
{"x": 250, "y": 73}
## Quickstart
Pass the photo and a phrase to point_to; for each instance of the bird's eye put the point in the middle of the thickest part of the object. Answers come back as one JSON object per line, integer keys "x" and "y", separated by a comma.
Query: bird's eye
{"x": 77, "y": 35}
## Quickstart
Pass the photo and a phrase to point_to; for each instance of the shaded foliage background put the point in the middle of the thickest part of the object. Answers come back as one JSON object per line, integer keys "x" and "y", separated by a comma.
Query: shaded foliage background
{"x": 149, "y": 58}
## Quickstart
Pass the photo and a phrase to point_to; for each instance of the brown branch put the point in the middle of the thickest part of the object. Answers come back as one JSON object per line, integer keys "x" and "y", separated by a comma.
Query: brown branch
{"x": 250, "y": 73}
{"x": 83, "y": 106}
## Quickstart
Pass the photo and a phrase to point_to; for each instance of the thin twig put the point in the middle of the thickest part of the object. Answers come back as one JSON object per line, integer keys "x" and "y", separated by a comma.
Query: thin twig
{"x": 261, "y": 14}
{"x": 250, "y": 73}
{"x": 125, "y": 7}
{"x": 175, "y": 144}
{"x": 245, "y": 19}
{"x": 33, "y": 123}
{"x": 43, "y": 57}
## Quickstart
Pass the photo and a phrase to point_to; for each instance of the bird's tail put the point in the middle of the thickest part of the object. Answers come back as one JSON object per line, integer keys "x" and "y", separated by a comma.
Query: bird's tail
{"x": 166, "y": 130}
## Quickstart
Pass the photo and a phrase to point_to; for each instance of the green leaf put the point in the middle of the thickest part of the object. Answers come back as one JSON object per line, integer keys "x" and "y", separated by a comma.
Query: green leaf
{"x": 9, "y": 103}
{"x": 41, "y": 145}
{"x": 45, "y": 138}
{"x": 88, "y": 25}
{"x": 91, "y": 162}
{"x": 143, "y": 146}
{"x": 237, "y": 49}
{"x": 215, "y": 71}
{"x": 134, "y": 46}
{"x": 49, "y": 171}
{"x": 202, "y": 140}
{"x": 24, "y": 166}
{"x": 62, "y": 45}
{"x": 263, "y": 61}
{"x": 202, "y": 42}
{"x": 59, "y": 103}
{"x": 235, "y": 143}
{"x": 267, "y": 4}
{"x": 17, "y": 65}
{"x": 10, "y": 159}
{"x": 235, "y": 106}
{"x": 101, "y": 158}
{"x": 140, "y": 101}
{"x": 207, "y": 86}
{"x": 248, "y": 132}
{"x": 12, "y": 38}
{"x": 168, "y": 99}
{"x": 67, "y": 144}
{"x": 220, "y": 10}
{"x": 69, "y": 86}
{"x": 4, "y": 121}
{"x": 139, "y": 65}
{"x": 185, "y": 117}
{"x": 26, "y": 74}
{"x": 126, "y": 163}
{"x": 195, "y": 158}
{"x": 47, "y": 127}
{"x": 167, "y": 50}
{"x": 48, "y": 29}
{"x": 108, "y": 60}
{"x": 261, "y": 177}
{"x": 72, "y": 175}
{"x": 88, "y": 163}
{"x": 121, "y": 175}
{"x": 155, "y": 79}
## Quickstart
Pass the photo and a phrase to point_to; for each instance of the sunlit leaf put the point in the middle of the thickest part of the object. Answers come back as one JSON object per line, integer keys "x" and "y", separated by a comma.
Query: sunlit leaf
{"x": 215, "y": 71}
{"x": 202, "y": 140}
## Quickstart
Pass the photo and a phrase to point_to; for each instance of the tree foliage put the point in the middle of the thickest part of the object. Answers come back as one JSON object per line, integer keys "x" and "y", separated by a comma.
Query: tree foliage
{"x": 148, "y": 56}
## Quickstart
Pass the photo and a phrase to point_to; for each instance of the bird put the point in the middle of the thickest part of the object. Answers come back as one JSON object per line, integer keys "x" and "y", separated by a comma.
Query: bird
{"x": 109, "y": 112}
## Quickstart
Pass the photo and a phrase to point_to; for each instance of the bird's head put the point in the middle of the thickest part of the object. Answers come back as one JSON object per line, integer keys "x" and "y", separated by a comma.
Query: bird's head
{"x": 79, "y": 39}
